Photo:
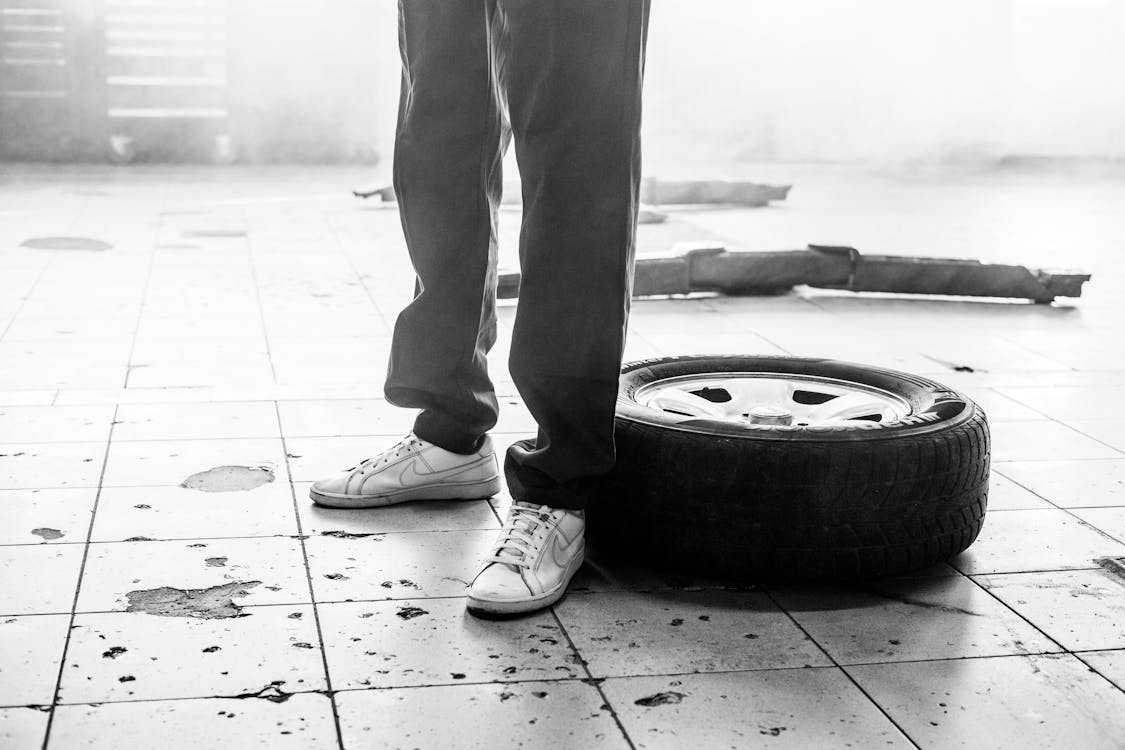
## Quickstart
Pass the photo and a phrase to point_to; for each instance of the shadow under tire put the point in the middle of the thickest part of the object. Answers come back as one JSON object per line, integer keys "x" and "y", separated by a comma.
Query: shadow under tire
{"x": 749, "y": 502}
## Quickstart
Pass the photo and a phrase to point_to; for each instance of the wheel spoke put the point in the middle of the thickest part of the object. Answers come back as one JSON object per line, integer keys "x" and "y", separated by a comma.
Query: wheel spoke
{"x": 683, "y": 402}
{"x": 848, "y": 406}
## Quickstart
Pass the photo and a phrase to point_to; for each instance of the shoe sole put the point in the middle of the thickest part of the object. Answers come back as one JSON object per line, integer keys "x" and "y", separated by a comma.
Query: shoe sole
{"x": 444, "y": 491}
{"x": 531, "y": 604}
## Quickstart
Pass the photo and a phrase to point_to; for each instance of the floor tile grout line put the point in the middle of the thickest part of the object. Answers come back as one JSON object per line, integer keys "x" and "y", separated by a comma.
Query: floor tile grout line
{"x": 301, "y": 537}
{"x": 262, "y": 314}
{"x": 597, "y": 680}
{"x": 1078, "y": 655}
{"x": 78, "y": 587}
{"x": 838, "y": 666}
{"x": 1068, "y": 510}
{"x": 141, "y": 308}
{"x": 597, "y": 683}
{"x": 34, "y": 285}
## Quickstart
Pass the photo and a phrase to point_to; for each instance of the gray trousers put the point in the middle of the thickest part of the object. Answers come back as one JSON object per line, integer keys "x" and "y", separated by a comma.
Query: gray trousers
{"x": 562, "y": 78}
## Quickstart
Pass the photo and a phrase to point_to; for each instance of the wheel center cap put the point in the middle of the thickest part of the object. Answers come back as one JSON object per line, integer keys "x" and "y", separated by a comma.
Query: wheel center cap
{"x": 770, "y": 415}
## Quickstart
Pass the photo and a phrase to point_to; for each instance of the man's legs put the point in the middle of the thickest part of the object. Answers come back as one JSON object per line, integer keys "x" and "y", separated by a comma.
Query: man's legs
{"x": 574, "y": 93}
{"x": 447, "y": 173}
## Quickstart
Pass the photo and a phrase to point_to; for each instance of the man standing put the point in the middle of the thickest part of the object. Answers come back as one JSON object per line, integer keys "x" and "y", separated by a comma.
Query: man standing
{"x": 563, "y": 79}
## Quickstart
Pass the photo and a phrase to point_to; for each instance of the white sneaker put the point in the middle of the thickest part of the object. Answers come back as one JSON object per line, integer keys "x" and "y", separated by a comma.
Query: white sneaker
{"x": 537, "y": 553}
{"x": 412, "y": 469}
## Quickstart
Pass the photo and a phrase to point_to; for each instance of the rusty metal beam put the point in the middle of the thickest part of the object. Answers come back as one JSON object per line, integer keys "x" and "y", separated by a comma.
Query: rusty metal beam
{"x": 712, "y": 268}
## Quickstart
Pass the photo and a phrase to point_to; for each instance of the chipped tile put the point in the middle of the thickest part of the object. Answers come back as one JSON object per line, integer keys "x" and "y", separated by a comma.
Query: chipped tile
{"x": 629, "y": 633}
{"x": 173, "y": 461}
{"x": 139, "y": 656}
{"x": 127, "y": 574}
{"x": 435, "y": 642}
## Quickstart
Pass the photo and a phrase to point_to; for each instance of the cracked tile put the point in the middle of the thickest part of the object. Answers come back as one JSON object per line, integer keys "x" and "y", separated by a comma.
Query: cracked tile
{"x": 435, "y": 642}
{"x": 629, "y": 633}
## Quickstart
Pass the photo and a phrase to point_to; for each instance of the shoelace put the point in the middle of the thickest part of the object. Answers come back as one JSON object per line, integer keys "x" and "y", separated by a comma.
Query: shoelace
{"x": 393, "y": 452}
{"x": 518, "y": 535}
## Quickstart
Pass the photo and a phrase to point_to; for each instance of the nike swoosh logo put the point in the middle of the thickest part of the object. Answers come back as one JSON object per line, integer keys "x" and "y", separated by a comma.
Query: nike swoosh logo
{"x": 566, "y": 549}
{"x": 410, "y": 477}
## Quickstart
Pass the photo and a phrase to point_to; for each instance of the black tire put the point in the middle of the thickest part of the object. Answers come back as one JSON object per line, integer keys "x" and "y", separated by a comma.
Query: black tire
{"x": 751, "y": 503}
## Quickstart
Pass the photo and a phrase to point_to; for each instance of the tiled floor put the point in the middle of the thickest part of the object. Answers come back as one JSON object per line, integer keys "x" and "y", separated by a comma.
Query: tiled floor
{"x": 242, "y": 319}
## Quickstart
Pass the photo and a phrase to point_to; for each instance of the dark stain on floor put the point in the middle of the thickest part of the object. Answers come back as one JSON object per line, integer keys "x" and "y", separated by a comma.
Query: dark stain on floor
{"x": 409, "y": 613}
{"x": 211, "y": 603}
{"x": 48, "y": 534}
{"x": 229, "y": 479}
{"x": 660, "y": 699}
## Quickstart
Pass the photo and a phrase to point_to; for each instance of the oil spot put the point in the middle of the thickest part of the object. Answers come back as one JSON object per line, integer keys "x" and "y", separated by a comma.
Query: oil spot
{"x": 126, "y": 678}
{"x": 963, "y": 368}
{"x": 660, "y": 699}
{"x": 216, "y": 562}
{"x": 47, "y": 534}
{"x": 302, "y": 644}
{"x": 344, "y": 535}
{"x": 457, "y": 675}
{"x": 401, "y": 582}
{"x": 772, "y": 731}
{"x": 271, "y": 692}
{"x": 894, "y": 642}
{"x": 295, "y": 616}
{"x": 409, "y": 613}
{"x": 229, "y": 479}
{"x": 142, "y": 506}
{"x": 336, "y": 576}
{"x": 114, "y": 652}
{"x": 540, "y": 693}
{"x": 139, "y": 539}
{"x": 676, "y": 622}
{"x": 751, "y": 636}
{"x": 506, "y": 695}
{"x": 215, "y": 602}
{"x": 212, "y": 649}
{"x": 65, "y": 243}
{"x": 198, "y": 544}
